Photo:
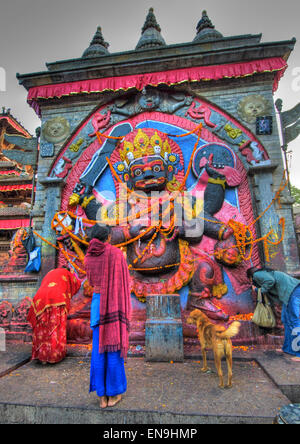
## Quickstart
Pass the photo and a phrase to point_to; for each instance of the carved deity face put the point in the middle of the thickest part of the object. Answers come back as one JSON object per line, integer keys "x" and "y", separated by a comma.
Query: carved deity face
{"x": 19, "y": 235}
{"x": 227, "y": 253}
{"x": 253, "y": 106}
{"x": 56, "y": 130}
{"x": 149, "y": 99}
{"x": 148, "y": 174}
{"x": 231, "y": 257}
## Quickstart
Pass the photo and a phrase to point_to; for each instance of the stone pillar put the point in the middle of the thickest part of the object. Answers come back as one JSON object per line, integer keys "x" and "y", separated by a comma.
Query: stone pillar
{"x": 164, "y": 337}
{"x": 52, "y": 196}
{"x": 284, "y": 256}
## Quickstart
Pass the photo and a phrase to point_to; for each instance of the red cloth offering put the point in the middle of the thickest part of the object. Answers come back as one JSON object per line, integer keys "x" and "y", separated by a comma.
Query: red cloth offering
{"x": 107, "y": 269}
{"x": 172, "y": 77}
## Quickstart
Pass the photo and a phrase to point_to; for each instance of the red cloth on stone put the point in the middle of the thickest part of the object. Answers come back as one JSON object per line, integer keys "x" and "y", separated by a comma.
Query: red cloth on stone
{"x": 172, "y": 77}
{"x": 106, "y": 268}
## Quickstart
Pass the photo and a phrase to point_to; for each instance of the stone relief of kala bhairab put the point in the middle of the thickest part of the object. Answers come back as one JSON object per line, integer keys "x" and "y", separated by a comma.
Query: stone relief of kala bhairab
{"x": 136, "y": 151}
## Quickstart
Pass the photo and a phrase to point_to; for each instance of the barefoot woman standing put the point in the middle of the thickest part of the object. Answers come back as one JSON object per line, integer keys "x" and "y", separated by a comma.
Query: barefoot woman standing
{"x": 107, "y": 272}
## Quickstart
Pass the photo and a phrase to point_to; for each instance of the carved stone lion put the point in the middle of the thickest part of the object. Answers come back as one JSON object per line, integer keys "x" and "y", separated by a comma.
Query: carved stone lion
{"x": 56, "y": 130}
{"x": 253, "y": 106}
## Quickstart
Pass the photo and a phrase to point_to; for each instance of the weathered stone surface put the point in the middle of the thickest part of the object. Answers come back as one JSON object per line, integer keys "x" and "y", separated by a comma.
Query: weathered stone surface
{"x": 164, "y": 337}
{"x": 159, "y": 393}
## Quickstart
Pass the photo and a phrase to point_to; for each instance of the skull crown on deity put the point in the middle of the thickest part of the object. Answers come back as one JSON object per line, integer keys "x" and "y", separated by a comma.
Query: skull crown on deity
{"x": 147, "y": 161}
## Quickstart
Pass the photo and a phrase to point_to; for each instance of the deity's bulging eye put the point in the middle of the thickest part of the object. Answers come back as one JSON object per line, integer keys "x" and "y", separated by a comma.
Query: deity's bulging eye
{"x": 156, "y": 168}
{"x": 137, "y": 172}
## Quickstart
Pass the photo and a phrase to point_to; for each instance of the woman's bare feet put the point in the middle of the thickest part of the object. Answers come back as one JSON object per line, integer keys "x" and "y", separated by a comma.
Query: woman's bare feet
{"x": 113, "y": 400}
{"x": 295, "y": 359}
{"x": 103, "y": 402}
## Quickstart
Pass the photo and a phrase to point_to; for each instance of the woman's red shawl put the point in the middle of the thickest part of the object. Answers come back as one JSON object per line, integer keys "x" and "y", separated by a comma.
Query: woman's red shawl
{"x": 57, "y": 288}
{"x": 106, "y": 268}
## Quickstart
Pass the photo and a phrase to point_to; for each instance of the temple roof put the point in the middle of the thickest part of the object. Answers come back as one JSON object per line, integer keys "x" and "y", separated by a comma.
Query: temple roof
{"x": 152, "y": 54}
{"x": 12, "y": 125}
{"x": 223, "y": 51}
{"x": 11, "y": 169}
{"x": 206, "y": 30}
{"x": 14, "y": 211}
{"x": 98, "y": 46}
{"x": 151, "y": 36}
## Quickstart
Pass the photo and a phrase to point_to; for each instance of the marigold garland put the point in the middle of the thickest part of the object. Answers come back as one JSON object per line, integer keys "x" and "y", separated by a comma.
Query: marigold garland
{"x": 242, "y": 233}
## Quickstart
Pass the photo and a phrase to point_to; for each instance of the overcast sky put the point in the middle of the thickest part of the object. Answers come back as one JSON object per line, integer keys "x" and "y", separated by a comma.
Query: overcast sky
{"x": 33, "y": 32}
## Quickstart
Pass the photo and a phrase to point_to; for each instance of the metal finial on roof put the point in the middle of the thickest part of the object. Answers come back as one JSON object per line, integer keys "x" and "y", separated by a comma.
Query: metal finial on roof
{"x": 151, "y": 36}
{"x": 206, "y": 30}
{"x": 151, "y": 22}
{"x": 98, "y": 46}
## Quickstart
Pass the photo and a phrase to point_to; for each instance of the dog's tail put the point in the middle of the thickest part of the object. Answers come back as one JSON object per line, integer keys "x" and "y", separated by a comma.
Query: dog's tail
{"x": 231, "y": 331}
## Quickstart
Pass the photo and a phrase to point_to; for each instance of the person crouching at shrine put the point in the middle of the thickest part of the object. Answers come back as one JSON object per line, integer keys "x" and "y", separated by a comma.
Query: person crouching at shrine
{"x": 48, "y": 315}
{"x": 284, "y": 289}
{"x": 107, "y": 272}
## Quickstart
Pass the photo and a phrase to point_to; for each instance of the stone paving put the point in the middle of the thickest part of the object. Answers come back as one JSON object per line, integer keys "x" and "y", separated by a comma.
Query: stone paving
{"x": 158, "y": 392}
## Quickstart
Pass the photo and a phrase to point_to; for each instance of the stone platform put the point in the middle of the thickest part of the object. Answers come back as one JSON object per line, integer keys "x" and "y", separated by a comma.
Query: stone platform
{"x": 158, "y": 392}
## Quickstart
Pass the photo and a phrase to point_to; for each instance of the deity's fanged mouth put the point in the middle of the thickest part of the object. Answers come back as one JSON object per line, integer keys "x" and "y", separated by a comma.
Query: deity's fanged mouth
{"x": 145, "y": 183}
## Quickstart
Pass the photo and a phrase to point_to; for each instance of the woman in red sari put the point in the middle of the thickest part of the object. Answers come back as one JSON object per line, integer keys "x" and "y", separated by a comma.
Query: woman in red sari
{"x": 48, "y": 315}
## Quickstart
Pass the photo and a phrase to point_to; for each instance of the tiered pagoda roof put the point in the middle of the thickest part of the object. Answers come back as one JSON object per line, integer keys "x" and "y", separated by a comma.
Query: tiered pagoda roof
{"x": 15, "y": 178}
{"x": 208, "y": 56}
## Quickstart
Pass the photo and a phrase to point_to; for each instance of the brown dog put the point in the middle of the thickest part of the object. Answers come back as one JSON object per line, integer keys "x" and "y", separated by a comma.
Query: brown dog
{"x": 215, "y": 337}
